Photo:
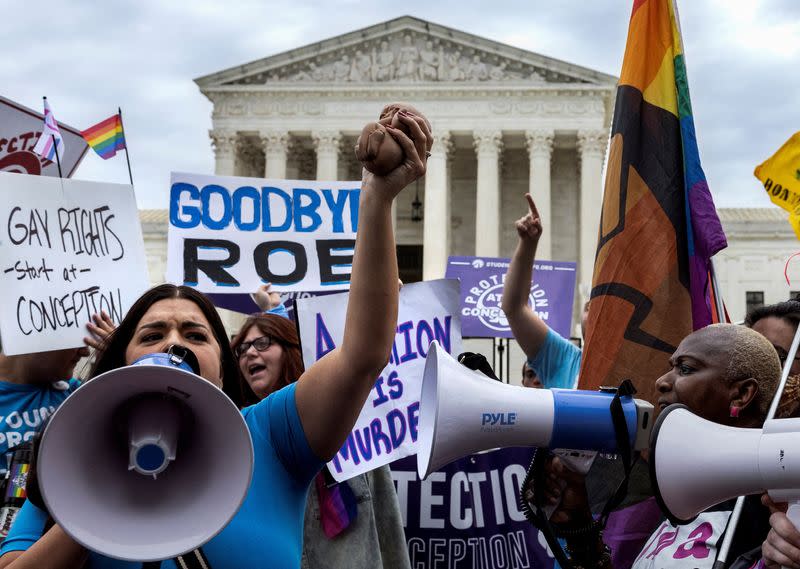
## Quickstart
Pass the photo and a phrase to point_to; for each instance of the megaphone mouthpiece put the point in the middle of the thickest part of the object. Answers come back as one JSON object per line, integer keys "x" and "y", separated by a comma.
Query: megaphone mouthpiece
{"x": 154, "y": 425}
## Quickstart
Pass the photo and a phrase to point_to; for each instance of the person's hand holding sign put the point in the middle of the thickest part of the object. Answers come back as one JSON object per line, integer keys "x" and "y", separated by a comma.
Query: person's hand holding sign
{"x": 100, "y": 328}
{"x": 530, "y": 227}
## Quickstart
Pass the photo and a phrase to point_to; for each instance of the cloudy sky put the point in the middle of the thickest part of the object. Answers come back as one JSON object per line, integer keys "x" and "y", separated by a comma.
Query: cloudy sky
{"x": 743, "y": 61}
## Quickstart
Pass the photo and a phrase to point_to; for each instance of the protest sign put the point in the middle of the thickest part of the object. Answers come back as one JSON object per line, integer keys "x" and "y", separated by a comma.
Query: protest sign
{"x": 20, "y": 128}
{"x": 482, "y": 278}
{"x": 68, "y": 249}
{"x": 466, "y": 515}
{"x": 231, "y": 235}
{"x": 386, "y": 429}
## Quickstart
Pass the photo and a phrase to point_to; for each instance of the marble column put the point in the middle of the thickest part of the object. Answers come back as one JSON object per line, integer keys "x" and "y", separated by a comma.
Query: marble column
{"x": 591, "y": 149}
{"x": 327, "y": 145}
{"x": 488, "y": 146}
{"x": 225, "y": 144}
{"x": 436, "y": 229}
{"x": 276, "y": 146}
{"x": 540, "y": 150}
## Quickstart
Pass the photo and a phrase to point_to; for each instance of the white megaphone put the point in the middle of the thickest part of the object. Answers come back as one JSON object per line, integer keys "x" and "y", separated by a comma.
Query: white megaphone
{"x": 145, "y": 462}
{"x": 463, "y": 412}
{"x": 696, "y": 464}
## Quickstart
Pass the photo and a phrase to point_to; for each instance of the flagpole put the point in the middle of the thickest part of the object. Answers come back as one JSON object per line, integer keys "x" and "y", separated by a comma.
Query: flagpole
{"x": 127, "y": 157}
{"x": 58, "y": 160}
{"x": 720, "y": 305}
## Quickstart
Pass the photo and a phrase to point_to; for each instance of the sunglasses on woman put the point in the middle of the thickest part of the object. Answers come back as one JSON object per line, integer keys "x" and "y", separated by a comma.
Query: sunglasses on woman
{"x": 260, "y": 344}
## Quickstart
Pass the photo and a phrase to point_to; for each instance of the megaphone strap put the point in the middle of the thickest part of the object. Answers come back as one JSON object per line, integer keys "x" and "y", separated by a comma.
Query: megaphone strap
{"x": 195, "y": 559}
{"x": 531, "y": 501}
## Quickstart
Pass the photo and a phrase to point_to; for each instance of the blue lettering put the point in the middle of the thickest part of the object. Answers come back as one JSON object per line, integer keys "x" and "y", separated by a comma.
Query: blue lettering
{"x": 309, "y": 210}
{"x": 413, "y": 419}
{"x": 205, "y": 198}
{"x": 486, "y": 418}
{"x": 246, "y": 192}
{"x": 336, "y": 205}
{"x": 382, "y": 397}
{"x": 325, "y": 343}
{"x": 266, "y": 210}
{"x": 186, "y": 216}
{"x": 442, "y": 334}
{"x": 378, "y": 437}
{"x": 405, "y": 329}
{"x": 354, "y": 202}
{"x": 364, "y": 444}
{"x": 422, "y": 346}
{"x": 397, "y": 427}
{"x": 395, "y": 386}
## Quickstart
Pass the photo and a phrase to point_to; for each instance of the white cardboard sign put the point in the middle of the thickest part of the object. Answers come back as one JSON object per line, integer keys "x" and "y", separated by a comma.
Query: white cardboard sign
{"x": 231, "y": 235}
{"x": 68, "y": 249}
{"x": 386, "y": 429}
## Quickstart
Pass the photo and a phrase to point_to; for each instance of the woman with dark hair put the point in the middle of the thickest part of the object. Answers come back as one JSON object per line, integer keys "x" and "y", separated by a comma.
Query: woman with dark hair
{"x": 778, "y": 323}
{"x": 295, "y": 430}
{"x": 122, "y": 340}
{"x": 276, "y": 360}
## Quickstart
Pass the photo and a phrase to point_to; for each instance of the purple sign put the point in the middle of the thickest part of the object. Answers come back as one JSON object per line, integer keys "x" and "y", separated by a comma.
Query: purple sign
{"x": 466, "y": 515}
{"x": 482, "y": 278}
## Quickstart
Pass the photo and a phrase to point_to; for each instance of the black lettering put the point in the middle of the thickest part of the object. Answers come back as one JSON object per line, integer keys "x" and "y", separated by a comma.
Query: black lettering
{"x": 327, "y": 260}
{"x": 261, "y": 261}
{"x": 108, "y": 230}
{"x": 212, "y": 268}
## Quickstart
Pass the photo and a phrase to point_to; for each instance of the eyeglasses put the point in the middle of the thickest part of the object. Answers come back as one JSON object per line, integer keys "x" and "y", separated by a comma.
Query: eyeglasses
{"x": 783, "y": 355}
{"x": 260, "y": 344}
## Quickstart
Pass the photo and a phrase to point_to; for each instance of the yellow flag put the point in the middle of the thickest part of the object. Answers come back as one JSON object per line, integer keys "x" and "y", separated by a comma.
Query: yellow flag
{"x": 780, "y": 175}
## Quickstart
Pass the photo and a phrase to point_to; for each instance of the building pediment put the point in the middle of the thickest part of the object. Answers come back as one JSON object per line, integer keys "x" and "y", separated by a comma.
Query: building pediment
{"x": 405, "y": 51}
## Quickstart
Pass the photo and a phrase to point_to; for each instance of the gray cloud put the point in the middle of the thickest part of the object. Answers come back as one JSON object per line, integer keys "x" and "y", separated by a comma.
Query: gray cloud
{"x": 143, "y": 56}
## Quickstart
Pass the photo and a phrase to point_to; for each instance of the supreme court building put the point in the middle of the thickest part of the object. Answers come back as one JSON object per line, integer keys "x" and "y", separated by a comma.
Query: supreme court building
{"x": 506, "y": 121}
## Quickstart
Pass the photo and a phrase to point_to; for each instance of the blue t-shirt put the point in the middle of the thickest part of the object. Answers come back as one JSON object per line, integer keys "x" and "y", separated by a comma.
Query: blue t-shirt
{"x": 23, "y": 410}
{"x": 267, "y": 531}
{"x": 558, "y": 362}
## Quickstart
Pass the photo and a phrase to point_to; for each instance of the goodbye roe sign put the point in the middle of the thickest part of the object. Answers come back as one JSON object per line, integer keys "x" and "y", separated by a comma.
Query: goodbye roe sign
{"x": 387, "y": 426}
{"x": 68, "y": 249}
{"x": 229, "y": 234}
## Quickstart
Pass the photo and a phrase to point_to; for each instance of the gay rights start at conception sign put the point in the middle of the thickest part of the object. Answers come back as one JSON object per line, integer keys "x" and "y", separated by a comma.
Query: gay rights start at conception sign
{"x": 230, "y": 235}
{"x": 482, "y": 280}
{"x": 68, "y": 249}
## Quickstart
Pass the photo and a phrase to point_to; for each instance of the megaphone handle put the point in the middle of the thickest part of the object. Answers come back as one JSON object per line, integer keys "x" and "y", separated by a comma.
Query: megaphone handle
{"x": 793, "y": 513}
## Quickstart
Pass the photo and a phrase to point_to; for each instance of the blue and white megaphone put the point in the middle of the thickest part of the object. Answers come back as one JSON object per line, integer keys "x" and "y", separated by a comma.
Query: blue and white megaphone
{"x": 463, "y": 412}
{"x": 147, "y": 461}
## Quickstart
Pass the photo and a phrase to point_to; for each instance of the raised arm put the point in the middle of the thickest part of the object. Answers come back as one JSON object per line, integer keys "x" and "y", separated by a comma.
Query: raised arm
{"x": 528, "y": 329}
{"x": 331, "y": 393}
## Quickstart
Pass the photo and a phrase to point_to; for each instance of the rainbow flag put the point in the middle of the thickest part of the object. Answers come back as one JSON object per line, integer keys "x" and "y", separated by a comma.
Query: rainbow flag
{"x": 658, "y": 227}
{"x": 106, "y": 137}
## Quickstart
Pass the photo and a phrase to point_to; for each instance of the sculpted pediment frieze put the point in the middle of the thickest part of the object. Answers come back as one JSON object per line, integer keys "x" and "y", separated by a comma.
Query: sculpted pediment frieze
{"x": 407, "y": 58}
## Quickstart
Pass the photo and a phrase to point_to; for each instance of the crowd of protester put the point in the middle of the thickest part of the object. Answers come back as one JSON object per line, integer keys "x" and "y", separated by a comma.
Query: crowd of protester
{"x": 298, "y": 418}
